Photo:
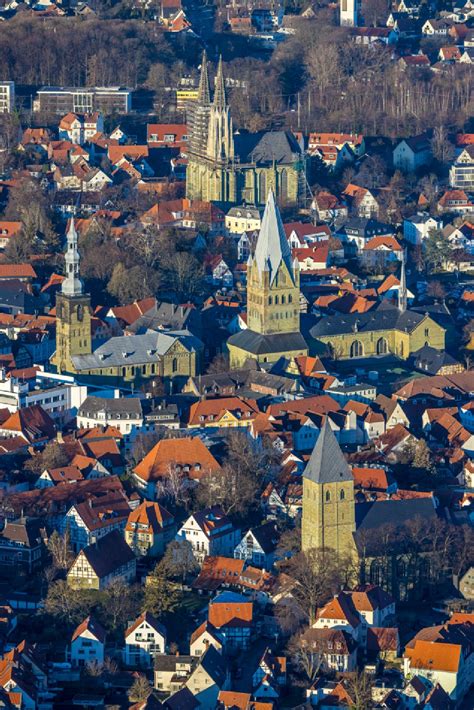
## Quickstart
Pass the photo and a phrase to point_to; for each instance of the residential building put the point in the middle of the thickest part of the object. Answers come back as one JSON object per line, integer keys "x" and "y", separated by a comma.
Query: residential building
{"x": 258, "y": 546}
{"x": 122, "y": 413}
{"x": 418, "y": 227}
{"x": 349, "y": 13}
{"x": 7, "y": 96}
{"x": 243, "y": 219}
{"x": 209, "y": 533}
{"x": 87, "y": 643}
{"x": 231, "y": 615}
{"x": 22, "y": 546}
{"x": 413, "y": 153}
{"x": 461, "y": 172}
{"x": 145, "y": 638}
{"x": 99, "y": 564}
{"x": 149, "y": 529}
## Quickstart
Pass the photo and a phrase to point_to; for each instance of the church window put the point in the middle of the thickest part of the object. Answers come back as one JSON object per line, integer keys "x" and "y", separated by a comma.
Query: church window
{"x": 382, "y": 346}
{"x": 328, "y": 496}
{"x": 427, "y": 332}
{"x": 376, "y": 573}
{"x": 262, "y": 186}
{"x": 270, "y": 300}
{"x": 357, "y": 349}
{"x": 284, "y": 184}
{"x": 276, "y": 300}
{"x": 290, "y": 298}
{"x": 124, "y": 371}
{"x": 283, "y": 299}
{"x": 342, "y": 494}
{"x": 174, "y": 364}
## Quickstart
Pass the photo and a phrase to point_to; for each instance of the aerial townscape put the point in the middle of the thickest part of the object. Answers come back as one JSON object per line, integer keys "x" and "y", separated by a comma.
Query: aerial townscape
{"x": 236, "y": 354}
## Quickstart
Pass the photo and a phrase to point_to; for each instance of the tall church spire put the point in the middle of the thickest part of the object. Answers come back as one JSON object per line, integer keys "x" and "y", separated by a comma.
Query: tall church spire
{"x": 72, "y": 284}
{"x": 204, "y": 96}
{"x": 219, "y": 94}
{"x": 272, "y": 245}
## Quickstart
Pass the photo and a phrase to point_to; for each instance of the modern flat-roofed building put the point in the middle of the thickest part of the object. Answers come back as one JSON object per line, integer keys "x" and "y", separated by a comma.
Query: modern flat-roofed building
{"x": 7, "y": 96}
{"x": 109, "y": 99}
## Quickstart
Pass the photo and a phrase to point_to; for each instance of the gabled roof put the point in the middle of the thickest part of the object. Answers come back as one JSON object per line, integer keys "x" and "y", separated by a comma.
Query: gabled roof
{"x": 107, "y": 554}
{"x": 91, "y": 625}
{"x": 187, "y": 452}
{"x": 327, "y": 463}
{"x": 149, "y": 619}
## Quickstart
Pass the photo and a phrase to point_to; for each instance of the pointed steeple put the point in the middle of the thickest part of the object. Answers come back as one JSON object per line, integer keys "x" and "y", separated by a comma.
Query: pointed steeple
{"x": 204, "y": 96}
{"x": 219, "y": 94}
{"x": 272, "y": 245}
{"x": 402, "y": 291}
{"x": 72, "y": 284}
{"x": 327, "y": 463}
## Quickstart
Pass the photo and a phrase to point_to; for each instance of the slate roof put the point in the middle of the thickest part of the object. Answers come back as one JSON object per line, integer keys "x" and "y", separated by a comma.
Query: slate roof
{"x": 431, "y": 360}
{"x": 266, "y": 147}
{"x": 266, "y": 536}
{"x": 129, "y": 407}
{"x": 385, "y": 317}
{"x": 108, "y": 553}
{"x": 131, "y": 350}
{"x": 259, "y": 344}
{"x": 376, "y": 514}
{"x": 327, "y": 463}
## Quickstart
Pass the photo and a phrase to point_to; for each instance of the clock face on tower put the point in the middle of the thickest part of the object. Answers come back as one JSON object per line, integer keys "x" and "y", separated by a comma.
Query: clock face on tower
{"x": 80, "y": 312}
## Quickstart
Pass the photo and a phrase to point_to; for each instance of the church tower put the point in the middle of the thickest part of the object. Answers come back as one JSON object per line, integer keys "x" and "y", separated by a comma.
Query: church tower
{"x": 73, "y": 317}
{"x": 273, "y": 298}
{"x": 328, "y": 498}
{"x": 273, "y": 279}
{"x": 200, "y": 113}
{"x": 220, "y": 144}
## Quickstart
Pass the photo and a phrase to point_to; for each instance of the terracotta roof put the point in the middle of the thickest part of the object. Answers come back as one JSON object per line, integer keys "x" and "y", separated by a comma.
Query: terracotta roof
{"x": 151, "y": 620}
{"x": 230, "y": 613}
{"x": 187, "y": 452}
{"x": 153, "y": 515}
{"x": 65, "y": 474}
{"x": 341, "y": 608}
{"x": 9, "y": 229}
{"x": 205, "y": 627}
{"x": 370, "y": 478}
{"x": 232, "y": 700}
{"x": 377, "y": 243}
{"x": 91, "y": 625}
{"x": 212, "y": 410}
{"x": 435, "y": 656}
{"x": 17, "y": 271}
{"x": 33, "y": 423}
{"x": 216, "y": 571}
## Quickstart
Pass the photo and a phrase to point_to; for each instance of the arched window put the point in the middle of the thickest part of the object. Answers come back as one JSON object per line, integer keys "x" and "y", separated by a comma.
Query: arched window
{"x": 270, "y": 300}
{"x": 283, "y": 184}
{"x": 382, "y": 346}
{"x": 283, "y": 299}
{"x": 328, "y": 496}
{"x": 262, "y": 186}
{"x": 290, "y": 298}
{"x": 342, "y": 494}
{"x": 376, "y": 573}
{"x": 276, "y": 300}
{"x": 174, "y": 364}
{"x": 357, "y": 349}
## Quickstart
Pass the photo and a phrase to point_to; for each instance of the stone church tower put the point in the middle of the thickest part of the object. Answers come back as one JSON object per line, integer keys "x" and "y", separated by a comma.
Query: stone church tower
{"x": 210, "y": 175}
{"x": 273, "y": 298}
{"x": 73, "y": 316}
{"x": 328, "y": 498}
